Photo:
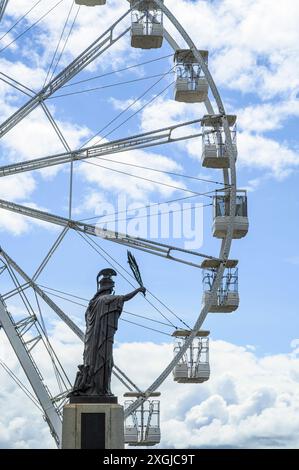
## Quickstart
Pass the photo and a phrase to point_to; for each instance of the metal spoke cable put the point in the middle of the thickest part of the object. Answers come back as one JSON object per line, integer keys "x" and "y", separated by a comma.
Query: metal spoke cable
{"x": 21, "y": 385}
{"x": 30, "y": 27}
{"x": 59, "y": 42}
{"x": 38, "y": 326}
{"x": 90, "y": 241}
{"x": 65, "y": 42}
{"x": 111, "y": 85}
{"x": 65, "y": 293}
{"x": 142, "y": 178}
{"x": 20, "y": 19}
{"x": 49, "y": 348}
{"x": 123, "y": 112}
{"x": 116, "y": 71}
{"x": 138, "y": 111}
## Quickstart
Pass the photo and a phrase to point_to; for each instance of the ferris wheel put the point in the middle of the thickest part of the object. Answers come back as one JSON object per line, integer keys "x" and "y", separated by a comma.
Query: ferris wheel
{"x": 144, "y": 24}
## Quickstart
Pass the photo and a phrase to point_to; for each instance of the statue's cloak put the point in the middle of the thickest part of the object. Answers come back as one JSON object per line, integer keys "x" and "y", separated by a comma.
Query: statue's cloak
{"x": 101, "y": 317}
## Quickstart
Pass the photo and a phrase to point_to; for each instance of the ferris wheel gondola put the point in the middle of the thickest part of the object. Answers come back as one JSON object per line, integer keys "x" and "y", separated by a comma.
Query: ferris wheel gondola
{"x": 193, "y": 84}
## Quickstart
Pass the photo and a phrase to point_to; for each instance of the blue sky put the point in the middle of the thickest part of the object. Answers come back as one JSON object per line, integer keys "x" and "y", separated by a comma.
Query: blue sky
{"x": 254, "y": 61}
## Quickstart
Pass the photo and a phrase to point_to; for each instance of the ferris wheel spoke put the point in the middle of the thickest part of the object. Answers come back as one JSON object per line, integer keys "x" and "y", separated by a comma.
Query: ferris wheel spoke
{"x": 98, "y": 47}
{"x": 143, "y": 244}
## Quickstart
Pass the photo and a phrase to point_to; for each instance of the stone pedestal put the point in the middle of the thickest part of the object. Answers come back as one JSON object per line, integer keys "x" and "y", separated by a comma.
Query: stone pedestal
{"x": 93, "y": 426}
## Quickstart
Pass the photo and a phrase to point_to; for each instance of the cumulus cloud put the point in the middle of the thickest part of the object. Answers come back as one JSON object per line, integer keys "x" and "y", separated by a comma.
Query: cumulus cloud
{"x": 249, "y": 401}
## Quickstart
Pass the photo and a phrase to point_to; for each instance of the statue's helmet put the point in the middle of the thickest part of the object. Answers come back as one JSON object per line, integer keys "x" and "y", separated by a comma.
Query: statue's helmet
{"x": 104, "y": 281}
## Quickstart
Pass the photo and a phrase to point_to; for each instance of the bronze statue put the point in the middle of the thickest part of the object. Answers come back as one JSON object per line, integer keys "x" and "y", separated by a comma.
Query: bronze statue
{"x": 94, "y": 376}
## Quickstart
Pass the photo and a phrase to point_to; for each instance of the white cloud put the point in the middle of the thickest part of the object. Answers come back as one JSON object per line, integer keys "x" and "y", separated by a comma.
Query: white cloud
{"x": 256, "y": 47}
{"x": 255, "y": 150}
{"x": 264, "y": 153}
{"x": 266, "y": 117}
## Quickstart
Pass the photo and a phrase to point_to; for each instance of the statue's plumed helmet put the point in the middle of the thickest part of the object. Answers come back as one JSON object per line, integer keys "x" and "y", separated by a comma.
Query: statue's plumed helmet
{"x": 104, "y": 281}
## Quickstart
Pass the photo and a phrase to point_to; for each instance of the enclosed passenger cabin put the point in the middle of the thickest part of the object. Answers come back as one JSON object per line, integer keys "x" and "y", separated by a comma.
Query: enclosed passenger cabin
{"x": 215, "y": 150}
{"x": 194, "y": 365}
{"x": 147, "y": 25}
{"x": 221, "y": 204}
{"x": 226, "y": 299}
{"x": 191, "y": 85}
{"x": 90, "y": 3}
{"x": 142, "y": 427}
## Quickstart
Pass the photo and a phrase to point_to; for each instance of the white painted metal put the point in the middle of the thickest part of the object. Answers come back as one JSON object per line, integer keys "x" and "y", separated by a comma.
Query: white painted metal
{"x": 193, "y": 366}
{"x": 142, "y": 428}
{"x": 62, "y": 315}
{"x": 226, "y": 243}
{"x": 191, "y": 91}
{"x": 3, "y": 5}
{"x": 220, "y": 224}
